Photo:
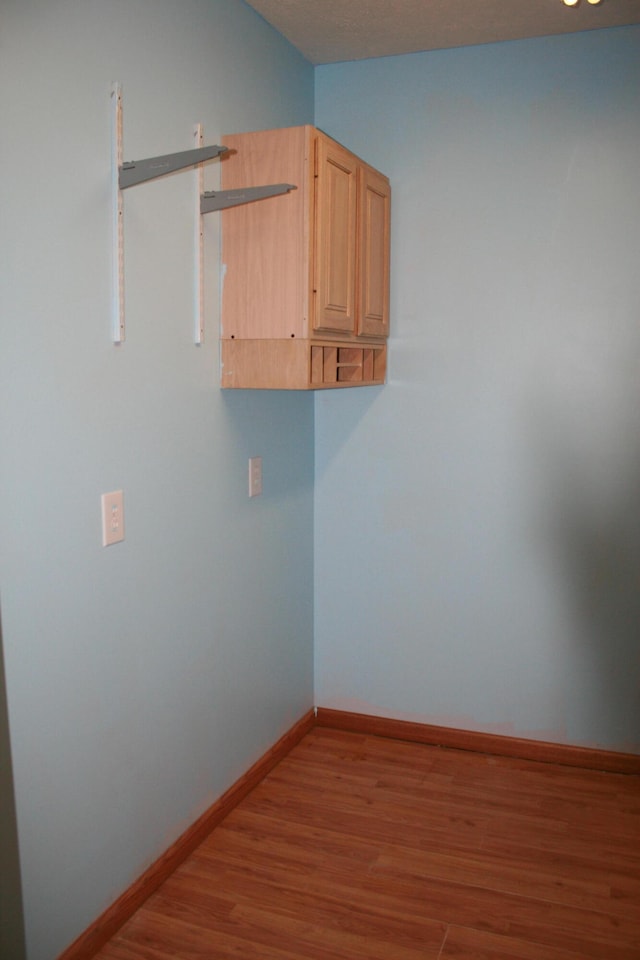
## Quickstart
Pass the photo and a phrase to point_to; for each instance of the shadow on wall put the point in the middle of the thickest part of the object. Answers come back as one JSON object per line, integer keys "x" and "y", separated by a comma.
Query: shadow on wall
{"x": 593, "y": 530}
{"x": 11, "y": 923}
{"x": 602, "y": 561}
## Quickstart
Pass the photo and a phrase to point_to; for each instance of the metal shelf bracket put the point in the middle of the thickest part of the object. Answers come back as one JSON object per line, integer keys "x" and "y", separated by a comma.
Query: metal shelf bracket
{"x": 214, "y": 200}
{"x": 140, "y": 171}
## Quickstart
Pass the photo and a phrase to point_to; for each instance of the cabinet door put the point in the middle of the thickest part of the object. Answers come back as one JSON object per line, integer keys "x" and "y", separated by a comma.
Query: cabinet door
{"x": 335, "y": 239}
{"x": 374, "y": 209}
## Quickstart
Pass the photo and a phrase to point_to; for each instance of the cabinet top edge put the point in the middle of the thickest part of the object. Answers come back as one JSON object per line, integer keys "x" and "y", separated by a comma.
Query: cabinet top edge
{"x": 301, "y": 126}
{"x": 309, "y": 132}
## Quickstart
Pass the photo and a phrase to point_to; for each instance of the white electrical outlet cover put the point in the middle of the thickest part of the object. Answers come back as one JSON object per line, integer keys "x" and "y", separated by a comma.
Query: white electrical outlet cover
{"x": 255, "y": 476}
{"x": 112, "y": 517}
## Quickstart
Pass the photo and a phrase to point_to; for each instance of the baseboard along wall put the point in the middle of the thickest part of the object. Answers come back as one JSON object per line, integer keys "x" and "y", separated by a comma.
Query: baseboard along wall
{"x": 590, "y": 758}
{"x": 114, "y": 917}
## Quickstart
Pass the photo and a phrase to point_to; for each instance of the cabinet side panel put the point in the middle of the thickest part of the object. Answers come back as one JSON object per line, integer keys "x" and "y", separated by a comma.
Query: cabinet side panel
{"x": 375, "y": 209}
{"x": 265, "y": 244}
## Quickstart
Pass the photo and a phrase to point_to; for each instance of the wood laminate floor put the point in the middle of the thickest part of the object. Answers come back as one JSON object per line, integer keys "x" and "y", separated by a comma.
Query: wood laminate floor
{"x": 362, "y": 848}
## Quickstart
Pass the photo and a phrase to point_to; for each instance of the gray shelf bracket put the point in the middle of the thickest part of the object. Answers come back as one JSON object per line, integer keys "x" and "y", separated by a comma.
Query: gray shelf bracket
{"x": 214, "y": 200}
{"x": 140, "y": 171}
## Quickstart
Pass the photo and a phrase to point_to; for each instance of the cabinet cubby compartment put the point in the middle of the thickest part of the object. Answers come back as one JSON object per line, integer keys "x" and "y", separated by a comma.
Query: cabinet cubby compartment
{"x": 346, "y": 365}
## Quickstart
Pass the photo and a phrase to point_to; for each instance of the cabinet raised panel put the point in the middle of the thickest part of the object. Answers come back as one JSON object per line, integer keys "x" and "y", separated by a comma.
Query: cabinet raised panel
{"x": 305, "y": 278}
{"x": 375, "y": 225}
{"x": 335, "y": 223}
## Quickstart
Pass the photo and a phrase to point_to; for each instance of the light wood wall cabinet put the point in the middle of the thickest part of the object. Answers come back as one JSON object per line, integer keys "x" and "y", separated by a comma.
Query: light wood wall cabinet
{"x": 305, "y": 286}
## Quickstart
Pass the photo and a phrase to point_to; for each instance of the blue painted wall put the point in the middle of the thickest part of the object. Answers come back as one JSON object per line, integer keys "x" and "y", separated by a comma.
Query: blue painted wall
{"x": 477, "y": 536}
{"x": 142, "y": 679}
{"x": 477, "y": 520}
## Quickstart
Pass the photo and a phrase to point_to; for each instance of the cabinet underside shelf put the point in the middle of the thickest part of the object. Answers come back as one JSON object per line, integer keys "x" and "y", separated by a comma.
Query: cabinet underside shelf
{"x": 300, "y": 364}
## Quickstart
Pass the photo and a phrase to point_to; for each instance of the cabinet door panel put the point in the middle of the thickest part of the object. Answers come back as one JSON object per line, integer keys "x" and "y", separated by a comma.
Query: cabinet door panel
{"x": 335, "y": 239}
{"x": 373, "y": 267}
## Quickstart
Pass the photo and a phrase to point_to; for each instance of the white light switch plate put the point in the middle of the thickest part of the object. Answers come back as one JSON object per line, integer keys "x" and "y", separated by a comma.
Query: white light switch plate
{"x": 112, "y": 517}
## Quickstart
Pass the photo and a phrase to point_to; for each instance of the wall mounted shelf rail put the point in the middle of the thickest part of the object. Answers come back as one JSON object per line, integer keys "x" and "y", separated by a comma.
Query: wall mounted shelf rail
{"x": 132, "y": 173}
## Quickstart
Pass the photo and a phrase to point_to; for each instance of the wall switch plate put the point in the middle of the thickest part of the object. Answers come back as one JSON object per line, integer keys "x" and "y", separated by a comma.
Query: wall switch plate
{"x": 255, "y": 476}
{"x": 112, "y": 517}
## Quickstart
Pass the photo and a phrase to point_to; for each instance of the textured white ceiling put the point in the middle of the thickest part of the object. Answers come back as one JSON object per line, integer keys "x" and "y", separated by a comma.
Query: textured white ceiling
{"x": 327, "y": 31}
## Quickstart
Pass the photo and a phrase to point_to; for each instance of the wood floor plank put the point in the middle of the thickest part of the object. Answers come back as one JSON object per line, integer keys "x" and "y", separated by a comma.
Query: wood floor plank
{"x": 493, "y": 873}
{"x": 363, "y": 848}
{"x": 351, "y": 813}
{"x": 125, "y": 950}
{"x": 464, "y": 943}
{"x": 346, "y": 899}
{"x": 591, "y": 933}
{"x": 169, "y": 937}
{"x": 302, "y": 854}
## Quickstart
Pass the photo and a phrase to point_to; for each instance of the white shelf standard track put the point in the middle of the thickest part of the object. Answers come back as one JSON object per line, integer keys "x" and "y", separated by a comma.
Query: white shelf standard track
{"x": 126, "y": 175}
